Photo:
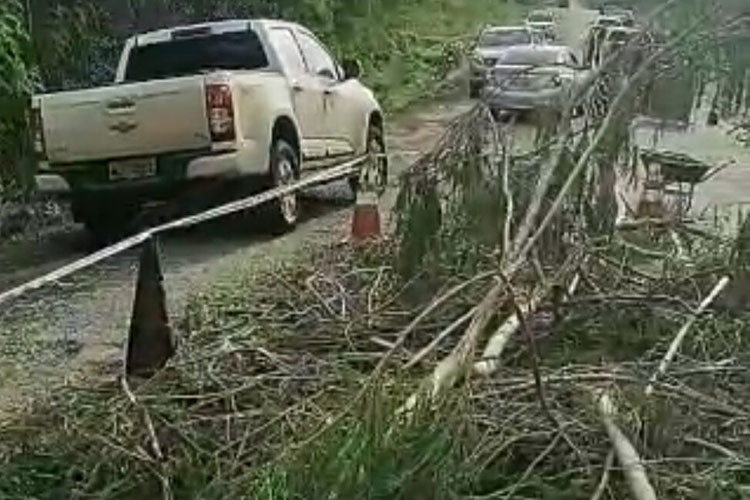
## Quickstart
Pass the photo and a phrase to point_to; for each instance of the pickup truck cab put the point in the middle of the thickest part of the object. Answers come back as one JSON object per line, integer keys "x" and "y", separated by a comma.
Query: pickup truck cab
{"x": 238, "y": 105}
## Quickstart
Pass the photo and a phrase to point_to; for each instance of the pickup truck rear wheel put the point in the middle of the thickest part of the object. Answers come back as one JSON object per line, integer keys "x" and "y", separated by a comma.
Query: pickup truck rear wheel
{"x": 374, "y": 173}
{"x": 105, "y": 225}
{"x": 282, "y": 213}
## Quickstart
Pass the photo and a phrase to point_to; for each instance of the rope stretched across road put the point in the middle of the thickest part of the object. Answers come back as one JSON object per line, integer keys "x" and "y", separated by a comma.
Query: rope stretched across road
{"x": 328, "y": 175}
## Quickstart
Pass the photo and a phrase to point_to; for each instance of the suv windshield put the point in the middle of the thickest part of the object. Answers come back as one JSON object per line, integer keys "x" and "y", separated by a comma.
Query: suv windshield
{"x": 190, "y": 56}
{"x": 504, "y": 38}
{"x": 532, "y": 57}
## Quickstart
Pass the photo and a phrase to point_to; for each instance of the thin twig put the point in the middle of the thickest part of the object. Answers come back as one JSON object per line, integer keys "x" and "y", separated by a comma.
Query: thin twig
{"x": 439, "y": 338}
{"x": 627, "y": 456}
{"x": 533, "y": 350}
{"x": 683, "y": 331}
{"x": 156, "y": 448}
{"x": 604, "y": 481}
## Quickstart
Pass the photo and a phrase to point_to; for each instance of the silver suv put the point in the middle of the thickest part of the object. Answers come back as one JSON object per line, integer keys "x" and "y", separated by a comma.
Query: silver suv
{"x": 491, "y": 43}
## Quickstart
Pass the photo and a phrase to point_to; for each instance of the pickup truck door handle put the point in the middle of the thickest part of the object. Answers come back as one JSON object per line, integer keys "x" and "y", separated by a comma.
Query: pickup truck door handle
{"x": 297, "y": 86}
{"x": 329, "y": 92}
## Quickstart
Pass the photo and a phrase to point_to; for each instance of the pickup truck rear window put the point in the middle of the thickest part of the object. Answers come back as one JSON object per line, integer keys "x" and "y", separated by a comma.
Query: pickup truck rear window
{"x": 191, "y": 56}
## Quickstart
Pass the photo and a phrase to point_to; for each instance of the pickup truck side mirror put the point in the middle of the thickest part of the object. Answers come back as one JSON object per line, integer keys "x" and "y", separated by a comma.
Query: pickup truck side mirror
{"x": 352, "y": 68}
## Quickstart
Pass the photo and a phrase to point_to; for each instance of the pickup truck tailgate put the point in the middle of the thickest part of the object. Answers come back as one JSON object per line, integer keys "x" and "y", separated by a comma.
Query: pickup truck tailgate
{"x": 137, "y": 119}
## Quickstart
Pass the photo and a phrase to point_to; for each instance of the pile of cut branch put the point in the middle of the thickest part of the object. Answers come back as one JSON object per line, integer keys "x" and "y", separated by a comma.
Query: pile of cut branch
{"x": 587, "y": 363}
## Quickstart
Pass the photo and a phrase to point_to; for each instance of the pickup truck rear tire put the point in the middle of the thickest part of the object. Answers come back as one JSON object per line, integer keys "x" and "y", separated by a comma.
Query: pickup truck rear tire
{"x": 375, "y": 171}
{"x": 281, "y": 214}
{"x": 105, "y": 225}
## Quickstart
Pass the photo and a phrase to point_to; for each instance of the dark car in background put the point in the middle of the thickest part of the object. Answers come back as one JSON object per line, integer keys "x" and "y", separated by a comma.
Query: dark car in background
{"x": 533, "y": 78}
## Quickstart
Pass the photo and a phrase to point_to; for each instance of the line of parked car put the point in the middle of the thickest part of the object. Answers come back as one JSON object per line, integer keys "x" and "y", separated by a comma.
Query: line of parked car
{"x": 527, "y": 67}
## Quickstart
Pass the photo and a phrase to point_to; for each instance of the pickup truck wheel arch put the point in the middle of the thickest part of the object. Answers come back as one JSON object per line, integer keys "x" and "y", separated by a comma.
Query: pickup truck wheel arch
{"x": 284, "y": 128}
{"x": 280, "y": 215}
{"x": 375, "y": 121}
{"x": 374, "y": 144}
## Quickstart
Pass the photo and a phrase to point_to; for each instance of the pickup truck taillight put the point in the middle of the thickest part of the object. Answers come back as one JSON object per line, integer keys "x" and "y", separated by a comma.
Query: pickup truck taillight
{"x": 220, "y": 108}
{"x": 37, "y": 128}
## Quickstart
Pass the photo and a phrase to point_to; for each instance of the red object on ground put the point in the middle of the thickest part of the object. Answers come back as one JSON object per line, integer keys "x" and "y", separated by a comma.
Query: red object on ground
{"x": 366, "y": 219}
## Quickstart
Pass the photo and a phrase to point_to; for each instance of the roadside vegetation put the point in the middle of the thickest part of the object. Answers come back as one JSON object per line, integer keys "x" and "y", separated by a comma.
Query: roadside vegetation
{"x": 511, "y": 339}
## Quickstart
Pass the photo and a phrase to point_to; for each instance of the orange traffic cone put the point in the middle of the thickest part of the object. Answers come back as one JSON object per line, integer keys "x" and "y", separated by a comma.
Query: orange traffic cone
{"x": 151, "y": 341}
{"x": 366, "y": 219}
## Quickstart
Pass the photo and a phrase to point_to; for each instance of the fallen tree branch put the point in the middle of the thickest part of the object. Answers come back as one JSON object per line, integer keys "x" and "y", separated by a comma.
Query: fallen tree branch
{"x": 490, "y": 360}
{"x": 534, "y": 353}
{"x": 156, "y": 449}
{"x": 451, "y": 367}
{"x": 604, "y": 481}
{"x": 682, "y": 333}
{"x": 439, "y": 338}
{"x": 627, "y": 456}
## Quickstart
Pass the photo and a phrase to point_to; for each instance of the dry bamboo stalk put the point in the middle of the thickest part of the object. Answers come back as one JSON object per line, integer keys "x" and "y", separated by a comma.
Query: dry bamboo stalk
{"x": 490, "y": 361}
{"x": 434, "y": 305}
{"x": 156, "y": 449}
{"x": 679, "y": 247}
{"x": 626, "y": 225}
{"x": 731, "y": 455}
{"x": 682, "y": 333}
{"x": 439, "y": 338}
{"x": 449, "y": 370}
{"x": 509, "y": 202}
{"x": 630, "y": 461}
{"x": 604, "y": 481}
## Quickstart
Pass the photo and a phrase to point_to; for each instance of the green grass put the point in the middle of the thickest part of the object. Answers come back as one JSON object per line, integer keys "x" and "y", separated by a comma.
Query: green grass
{"x": 407, "y": 47}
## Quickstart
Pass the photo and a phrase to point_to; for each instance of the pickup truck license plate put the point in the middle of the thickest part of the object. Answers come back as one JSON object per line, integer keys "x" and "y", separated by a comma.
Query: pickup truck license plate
{"x": 138, "y": 168}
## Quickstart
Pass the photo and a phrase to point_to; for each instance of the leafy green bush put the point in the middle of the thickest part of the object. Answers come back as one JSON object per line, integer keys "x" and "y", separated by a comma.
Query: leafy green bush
{"x": 405, "y": 46}
{"x": 17, "y": 80}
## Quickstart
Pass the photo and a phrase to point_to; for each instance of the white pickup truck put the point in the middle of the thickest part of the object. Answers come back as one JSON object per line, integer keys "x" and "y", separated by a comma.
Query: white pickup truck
{"x": 235, "y": 105}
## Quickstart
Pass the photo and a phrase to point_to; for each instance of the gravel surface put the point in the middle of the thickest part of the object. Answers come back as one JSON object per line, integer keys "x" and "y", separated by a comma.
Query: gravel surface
{"x": 78, "y": 327}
